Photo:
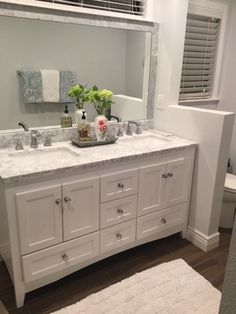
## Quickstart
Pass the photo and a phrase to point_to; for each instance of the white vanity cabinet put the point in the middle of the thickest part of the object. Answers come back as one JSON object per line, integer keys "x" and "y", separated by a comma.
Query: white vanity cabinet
{"x": 59, "y": 225}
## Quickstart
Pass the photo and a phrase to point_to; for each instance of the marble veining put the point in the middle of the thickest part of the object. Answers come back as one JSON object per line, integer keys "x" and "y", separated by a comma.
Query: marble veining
{"x": 150, "y": 143}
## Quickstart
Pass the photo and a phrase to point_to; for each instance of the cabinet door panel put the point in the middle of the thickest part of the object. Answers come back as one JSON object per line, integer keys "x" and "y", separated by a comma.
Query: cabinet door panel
{"x": 170, "y": 219}
{"x": 178, "y": 182}
{"x": 39, "y": 218}
{"x": 59, "y": 257}
{"x": 121, "y": 210}
{"x": 151, "y": 188}
{"x": 118, "y": 185}
{"x": 117, "y": 236}
{"x": 81, "y": 207}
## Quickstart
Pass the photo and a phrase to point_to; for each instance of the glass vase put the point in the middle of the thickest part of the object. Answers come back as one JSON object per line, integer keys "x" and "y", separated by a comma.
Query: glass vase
{"x": 78, "y": 116}
{"x": 101, "y": 128}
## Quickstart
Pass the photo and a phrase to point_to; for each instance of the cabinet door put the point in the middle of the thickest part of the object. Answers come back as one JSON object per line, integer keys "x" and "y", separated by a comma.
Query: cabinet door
{"x": 81, "y": 207}
{"x": 151, "y": 188}
{"x": 39, "y": 218}
{"x": 119, "y": 185}
{"x": 177, "y": 182}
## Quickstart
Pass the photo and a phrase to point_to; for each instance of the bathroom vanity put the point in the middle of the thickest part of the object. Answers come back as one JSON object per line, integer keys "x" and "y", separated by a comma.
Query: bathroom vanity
{"x": 66, "y": 208}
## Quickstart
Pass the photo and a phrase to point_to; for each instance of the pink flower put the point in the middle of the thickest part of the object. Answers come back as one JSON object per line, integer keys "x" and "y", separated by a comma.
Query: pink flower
{"x": 103, "y": 128}
{"x": 101, "y": 122}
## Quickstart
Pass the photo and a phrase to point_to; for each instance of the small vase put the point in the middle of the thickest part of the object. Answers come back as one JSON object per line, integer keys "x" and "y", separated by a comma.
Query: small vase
{"x": 101, "y": 129}
{"x": 78, "y": 116}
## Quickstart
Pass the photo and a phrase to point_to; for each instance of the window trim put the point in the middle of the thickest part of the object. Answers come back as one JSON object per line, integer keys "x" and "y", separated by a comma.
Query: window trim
{"x": 216, "y": 10}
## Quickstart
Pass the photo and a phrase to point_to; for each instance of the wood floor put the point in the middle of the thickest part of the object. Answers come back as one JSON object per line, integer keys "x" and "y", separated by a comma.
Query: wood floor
{"x": 71, "y": 289}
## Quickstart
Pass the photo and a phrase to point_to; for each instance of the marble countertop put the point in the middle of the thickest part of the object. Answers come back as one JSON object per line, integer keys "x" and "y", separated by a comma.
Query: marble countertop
{"x": 63, "y": 157}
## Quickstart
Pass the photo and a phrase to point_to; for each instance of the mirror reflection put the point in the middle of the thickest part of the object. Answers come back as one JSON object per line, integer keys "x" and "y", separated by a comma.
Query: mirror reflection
{"x": 113, "y": 59}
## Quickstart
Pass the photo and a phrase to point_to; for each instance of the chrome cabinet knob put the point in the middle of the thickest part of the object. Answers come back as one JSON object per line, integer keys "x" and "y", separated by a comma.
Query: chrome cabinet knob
{"x": 65, "y": 257}
{"x": 163, "y": 220}
{"x": 120, "y": 185}
{"x": 120, "y": 211}
{"x": 170, "y": 174}
{"x": 58, "y": 201}
{"x": 165, "y": 175}
{"x": 119, "y": 236}
{"x": 67, "y": 199}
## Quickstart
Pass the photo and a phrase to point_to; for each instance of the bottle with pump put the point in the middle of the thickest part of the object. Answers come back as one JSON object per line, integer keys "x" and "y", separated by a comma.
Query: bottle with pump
{"x": 84, "y": 128}
{"x": 66, "y": 119}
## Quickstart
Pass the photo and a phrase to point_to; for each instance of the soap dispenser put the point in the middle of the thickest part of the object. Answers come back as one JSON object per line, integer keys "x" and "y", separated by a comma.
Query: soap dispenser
{"x": 84, "y": 128}
{"x": 66, "y": 119}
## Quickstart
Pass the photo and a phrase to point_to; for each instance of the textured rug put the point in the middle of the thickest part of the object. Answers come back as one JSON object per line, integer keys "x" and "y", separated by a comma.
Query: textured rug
{"x": 169, "y": 288}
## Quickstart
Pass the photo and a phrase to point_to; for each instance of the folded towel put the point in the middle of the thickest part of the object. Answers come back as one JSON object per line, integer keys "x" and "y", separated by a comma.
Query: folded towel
{"x": 50, "y": 82}
{"x": 32, "y": 86}
{"x": 67, "y": 80}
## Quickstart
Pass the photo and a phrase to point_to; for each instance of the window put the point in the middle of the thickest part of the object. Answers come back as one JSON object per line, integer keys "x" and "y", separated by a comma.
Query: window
{"x": 134, "y": 7}
{"x": 200, "y": 55}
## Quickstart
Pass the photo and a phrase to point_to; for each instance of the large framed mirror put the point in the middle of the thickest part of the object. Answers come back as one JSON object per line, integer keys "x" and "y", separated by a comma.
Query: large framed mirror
{"x": 113, "y": 54}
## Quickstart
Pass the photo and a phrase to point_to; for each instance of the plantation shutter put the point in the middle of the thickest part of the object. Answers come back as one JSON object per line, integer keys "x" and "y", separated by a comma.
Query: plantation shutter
{"x": 135, "y": 7}
{"x": 199, "y": 57}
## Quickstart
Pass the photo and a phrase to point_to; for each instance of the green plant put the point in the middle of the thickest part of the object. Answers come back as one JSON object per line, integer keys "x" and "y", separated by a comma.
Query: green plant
{"x": 80, "y": 94}
{"x": 102, "y": 99}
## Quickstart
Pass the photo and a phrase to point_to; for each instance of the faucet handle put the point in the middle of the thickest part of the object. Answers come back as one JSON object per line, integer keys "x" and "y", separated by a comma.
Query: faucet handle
{"x": 139, "y": 128}
{"x": 48, "y": 140}
{"x": 19, "y": 145}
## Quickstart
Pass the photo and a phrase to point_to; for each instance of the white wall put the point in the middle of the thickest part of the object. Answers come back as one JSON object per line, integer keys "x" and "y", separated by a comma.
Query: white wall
{"x": 98, "y": 55}
{"x": 228, "y": 90}
{"x": 211, "y": 129}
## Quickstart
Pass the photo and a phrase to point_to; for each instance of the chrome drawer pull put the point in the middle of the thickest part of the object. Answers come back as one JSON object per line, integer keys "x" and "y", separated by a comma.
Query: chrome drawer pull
{"x": 163, "y": 220}
{"x": 67, "y": 199}
{"x": 120, "y": 211}
{"x": 121, "y": 185}
{"x": 58, "y": 201}
{"x": 119, "y": 236}
{"x": 65, "y": 257}
{"x": 165, "y": 175}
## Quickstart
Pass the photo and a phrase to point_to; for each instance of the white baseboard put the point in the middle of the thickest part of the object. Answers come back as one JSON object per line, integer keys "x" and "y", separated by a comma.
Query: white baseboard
{"x": 201, "y": 240}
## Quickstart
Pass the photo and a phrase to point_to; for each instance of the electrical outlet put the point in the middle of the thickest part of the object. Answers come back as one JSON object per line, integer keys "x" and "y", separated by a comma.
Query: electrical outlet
{"x": 160, "y": 102}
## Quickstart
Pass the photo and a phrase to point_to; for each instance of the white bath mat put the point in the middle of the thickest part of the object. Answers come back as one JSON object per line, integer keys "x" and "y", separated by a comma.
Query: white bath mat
{"x": 169, "y": 288}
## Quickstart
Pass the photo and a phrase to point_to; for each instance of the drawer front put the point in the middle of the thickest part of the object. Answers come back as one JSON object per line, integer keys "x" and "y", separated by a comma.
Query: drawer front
{"x": 118, "y": 185}
{"x": 59, "y": 257}
{"x": 118, "y": 211}
{"x": 160, "y": 221}
{"x": 117, "y": 236}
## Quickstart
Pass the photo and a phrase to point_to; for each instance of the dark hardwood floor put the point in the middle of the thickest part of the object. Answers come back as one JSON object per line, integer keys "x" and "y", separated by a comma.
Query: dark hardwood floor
{"x": 77, "y": 286}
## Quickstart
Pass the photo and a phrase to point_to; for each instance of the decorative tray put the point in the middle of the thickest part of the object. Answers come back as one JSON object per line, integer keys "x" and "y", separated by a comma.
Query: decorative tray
{"x": 92, "y": 141}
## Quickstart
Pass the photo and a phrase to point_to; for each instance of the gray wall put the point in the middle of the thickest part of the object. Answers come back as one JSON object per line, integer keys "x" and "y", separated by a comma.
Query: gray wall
{"x": 97, "y": 54}
{"x": 135, "y": 64}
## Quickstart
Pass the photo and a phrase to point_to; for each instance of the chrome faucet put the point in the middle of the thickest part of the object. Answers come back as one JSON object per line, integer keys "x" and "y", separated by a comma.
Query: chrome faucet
{"x": 34, "y": 138}
{"x": 129, "y": 130}
{"x": 24, "y": 126}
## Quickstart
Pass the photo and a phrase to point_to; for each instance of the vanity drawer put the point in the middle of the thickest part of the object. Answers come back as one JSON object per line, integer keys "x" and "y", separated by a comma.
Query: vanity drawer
{"x": 161, "y": 221}
{"x": 117, "y": 236}
{"x": 118, "y": 185}
{"x": 118, "y": 211}
{"x": 59, "y": 257}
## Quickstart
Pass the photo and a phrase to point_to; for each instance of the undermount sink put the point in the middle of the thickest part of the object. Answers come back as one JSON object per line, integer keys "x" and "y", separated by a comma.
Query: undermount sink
{"x": 47, "y": 154}
{"x": 145, "y": 139}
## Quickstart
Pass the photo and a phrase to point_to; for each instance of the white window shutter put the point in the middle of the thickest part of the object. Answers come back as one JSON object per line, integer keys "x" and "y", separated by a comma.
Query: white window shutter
{"x": 200, "y": 50}
{"x": 134, "y": 7}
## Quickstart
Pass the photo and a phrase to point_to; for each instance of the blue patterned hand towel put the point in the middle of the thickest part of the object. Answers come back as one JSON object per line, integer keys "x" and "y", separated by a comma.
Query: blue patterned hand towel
{"x": 67, "y": 80}
{"x": 32, "y": 86}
